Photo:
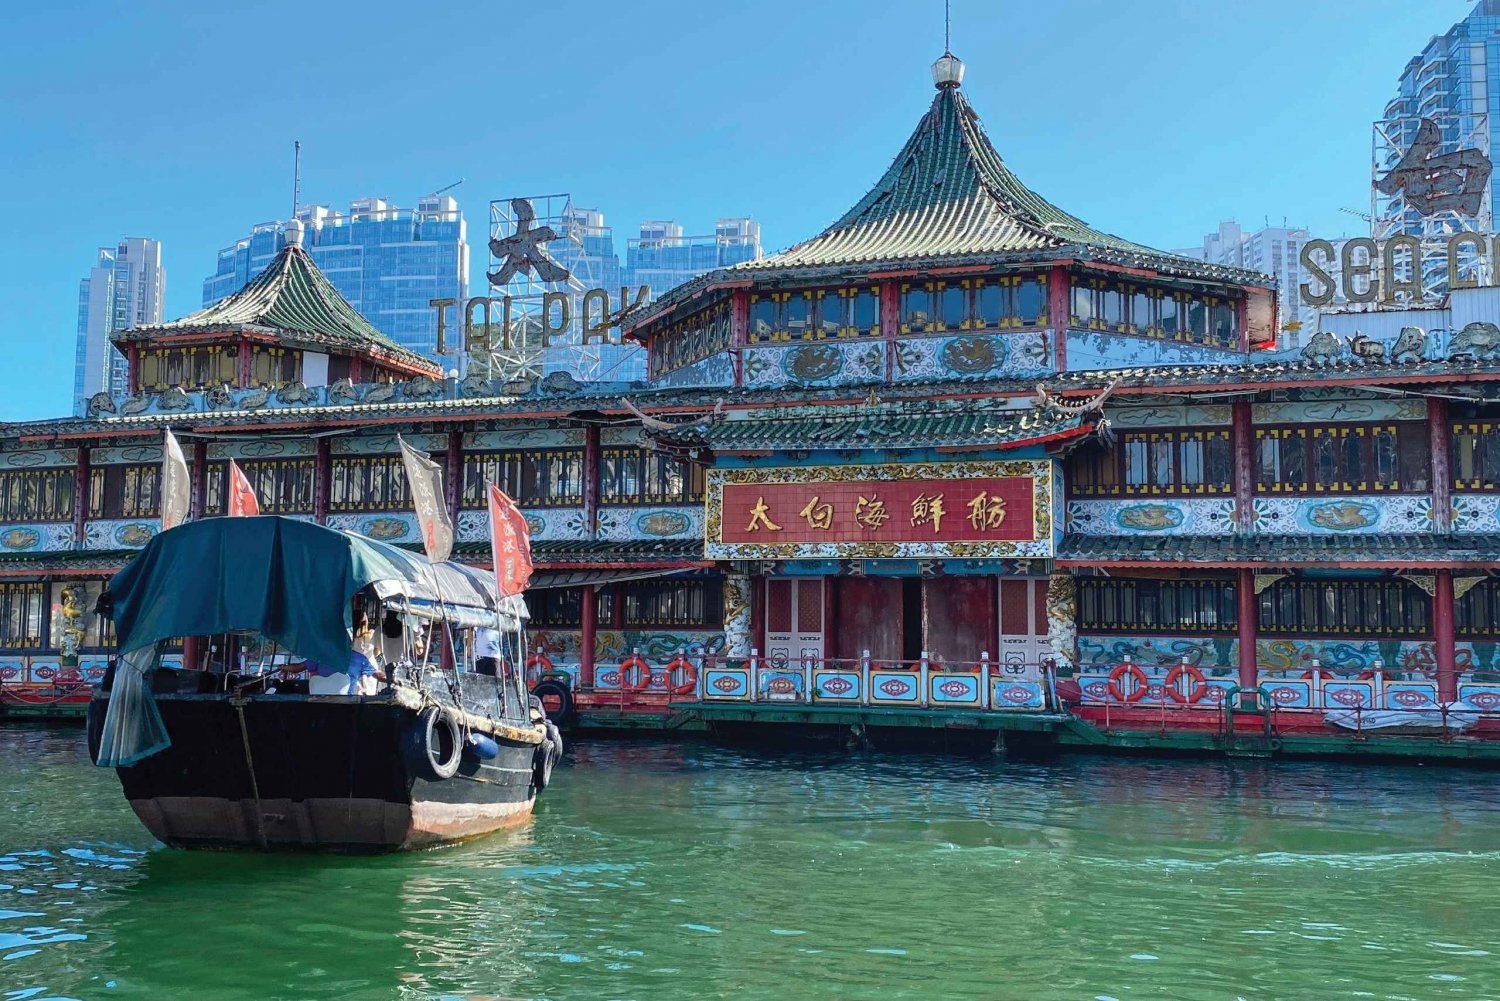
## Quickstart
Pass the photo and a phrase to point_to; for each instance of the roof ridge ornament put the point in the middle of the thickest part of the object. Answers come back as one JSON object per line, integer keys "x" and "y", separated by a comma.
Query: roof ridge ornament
{"x": 948, "y": 72}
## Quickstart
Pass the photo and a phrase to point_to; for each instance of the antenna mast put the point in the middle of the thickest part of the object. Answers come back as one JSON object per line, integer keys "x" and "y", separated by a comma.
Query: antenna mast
{"x": 947, "y": 25}
{"x": 296, "y": 175}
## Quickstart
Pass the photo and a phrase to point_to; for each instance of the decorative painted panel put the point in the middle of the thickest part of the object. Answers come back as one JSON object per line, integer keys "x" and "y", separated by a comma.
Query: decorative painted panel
{"x": 1209, "y": 654}
{"x": 945, "y": 689}
{"x": 1484, "y": 696}
{"x": 737, "y": 615}
{"x": 384, "y": 444}
{"x": 730, "y": 681}
{"x": 25, "y": 458}
{"x": 613, "y": 645}
{"x": 1165, "y": 516}
{"x": 547, "y": 524}
{"x": 974, "y": 356}
{"x": 1478, "y": 513}
{"x": 261, "y": 448}
{"x": 1006, "y": 693}
{"x": 384, "y": 527}
{"x": 125, "y": 533}
{"x": 1169, "y": 416}
{"x": 894, "y": 688}
{"x": 1091, "y": 351}
{"x": 1288, "y": 693}
{"x": 619, "y": 523}
{"x": 1389, "y": 513}
{"x": 522, "y": 438}
{"x": 617, "y": 436}
{"x": 117, "y": 454}
{"x": 1327, "y": 411}
{"x": 836, "y": 686}
{"x": 827, "y": 364}
{"x": 42, "y": 537}
{"x": 715, "y": 370}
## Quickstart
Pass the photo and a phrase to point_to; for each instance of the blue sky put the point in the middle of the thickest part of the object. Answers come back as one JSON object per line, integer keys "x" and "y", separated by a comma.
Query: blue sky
{"x": 1153, "y": 119}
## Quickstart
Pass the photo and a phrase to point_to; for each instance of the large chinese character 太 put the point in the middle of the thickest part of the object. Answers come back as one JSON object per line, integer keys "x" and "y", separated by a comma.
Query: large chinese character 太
{"x": 759, "y": 517}
{"x": 986, "y": 512}
{"x": 870, "y": 512}
{"x": 1433, "y": 181}
{"x": 819, "y": 516}
{"x": 928, "y": 511}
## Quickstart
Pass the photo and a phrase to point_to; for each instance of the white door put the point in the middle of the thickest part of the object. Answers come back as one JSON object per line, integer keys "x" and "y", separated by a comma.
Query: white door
{"x": 1023, "y": 622}
{"x": 794, "y": 620}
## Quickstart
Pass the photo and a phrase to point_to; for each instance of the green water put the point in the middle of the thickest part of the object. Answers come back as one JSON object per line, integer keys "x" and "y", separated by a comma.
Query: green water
{"x": 659, "y": 871}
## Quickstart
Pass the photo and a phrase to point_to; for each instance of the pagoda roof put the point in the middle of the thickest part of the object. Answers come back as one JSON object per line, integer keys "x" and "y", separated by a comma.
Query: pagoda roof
{"x": 294, "y": 300}
{"x": 948, "y": 199}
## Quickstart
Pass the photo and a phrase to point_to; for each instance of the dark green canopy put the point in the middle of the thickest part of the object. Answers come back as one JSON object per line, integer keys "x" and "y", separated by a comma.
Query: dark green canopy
{"x": 291, "y": 581}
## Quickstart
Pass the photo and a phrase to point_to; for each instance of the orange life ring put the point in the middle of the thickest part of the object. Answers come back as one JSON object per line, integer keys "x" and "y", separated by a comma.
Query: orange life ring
{"x": 537, "y": 665}
{"x": 1200, "y": 686}
{"x": 1323, "y": 674}
{"x": 636, "y": 661}
{"x": 1142, "y": 683}
{"x": 1367, "y": 675}
{"x": 689, "y": 678}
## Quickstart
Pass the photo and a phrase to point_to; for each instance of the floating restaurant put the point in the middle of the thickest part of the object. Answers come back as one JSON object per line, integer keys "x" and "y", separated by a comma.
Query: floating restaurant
{"x": 958, "y": 466}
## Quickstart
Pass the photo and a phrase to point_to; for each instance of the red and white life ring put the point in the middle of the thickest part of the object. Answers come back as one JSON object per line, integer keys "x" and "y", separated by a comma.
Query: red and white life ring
{"x": 637, "y": 662}
{"x": 1200, "y": 685}
{"x": 1142, "y": 683}
{"x": 689, "y": 676}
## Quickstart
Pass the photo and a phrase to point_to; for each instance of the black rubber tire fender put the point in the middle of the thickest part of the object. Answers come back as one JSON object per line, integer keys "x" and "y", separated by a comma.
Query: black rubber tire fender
{"x": 430, "y": 728}
{"x": 550, "y": 689}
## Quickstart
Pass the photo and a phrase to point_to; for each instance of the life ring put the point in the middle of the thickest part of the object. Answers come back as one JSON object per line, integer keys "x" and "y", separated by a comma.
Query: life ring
{"x": 1322, "y": 674}
{"x": 1142, "y": 683}
{"x": 689, "y": 677}
{"x": 635, "y": 660}
{"x": 555, "y": 698}
{"x": 435, "y": 743}
{"x": 537, "y": 665}
{"x": 1200, "y": 686}
{"x": 1368, "y": 674}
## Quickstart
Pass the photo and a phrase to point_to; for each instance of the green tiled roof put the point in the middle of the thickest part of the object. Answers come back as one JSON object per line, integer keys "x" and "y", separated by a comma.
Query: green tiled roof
{"x": 1396, "y": 550}
{"x": 877, "y": 426}
{"x": 290, "y": 297}
{"x": 591, "y": 552}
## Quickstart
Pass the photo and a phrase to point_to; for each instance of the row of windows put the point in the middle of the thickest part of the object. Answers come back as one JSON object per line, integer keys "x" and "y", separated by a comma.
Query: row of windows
{"x": 1156, "y": 463}
{"x": 1385, "y": 607}
{"x": 691, "y": 604}
{"x": 554, "y": 477}
{"x": 697, "y": 337}
{"x": 1123, "y": 307}
{"x": 1343, "y": 459}
{"x": 1299, "y": 459}
{"x": 212, "y": 365}
{"x": 814, "y": 315}
{"x": 37, "y": 495}
{"x": 1005, "y": 302}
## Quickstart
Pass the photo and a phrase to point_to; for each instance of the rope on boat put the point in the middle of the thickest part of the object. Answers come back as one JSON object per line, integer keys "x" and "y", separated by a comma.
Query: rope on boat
{"x": 260, "y": 820}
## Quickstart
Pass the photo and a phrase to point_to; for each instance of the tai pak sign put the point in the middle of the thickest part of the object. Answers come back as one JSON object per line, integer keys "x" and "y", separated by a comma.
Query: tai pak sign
{"x": 1000, "y": 509}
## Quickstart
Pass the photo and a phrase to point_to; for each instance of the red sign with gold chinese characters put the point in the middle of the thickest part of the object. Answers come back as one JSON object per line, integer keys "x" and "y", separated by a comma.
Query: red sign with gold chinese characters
{"x": 855, "y": 511}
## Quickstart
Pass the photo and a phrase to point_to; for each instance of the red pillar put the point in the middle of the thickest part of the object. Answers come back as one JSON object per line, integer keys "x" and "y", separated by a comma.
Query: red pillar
{"x": 1443, "y": 646}
{"x": 1242, "y": 438}
{"x": 739, "y": 331}
{"x": 1249, "y": 671}
{"x": 591, "y": 479}
{"x": 1059, "y": 290}
{"x": 247, "y": 366}
{"x": 133, "y": 362}
{"x": 890, "y": 323}
{"x": 454, "y": 485}
{"x": 588, "y": 626}
{"x": 200, "y": 479}
{"x": 82, "y": 478}
{"x": 322, "y": 480}
{"x": 1438, "y": 438}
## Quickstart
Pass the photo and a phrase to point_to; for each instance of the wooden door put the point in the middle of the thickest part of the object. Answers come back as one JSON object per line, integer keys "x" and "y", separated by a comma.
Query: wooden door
{"x": 1023, "y": 621}
{"x": 794, "y": 620}
{"x": 867, "y": 617}
{"x": 958, "y": 619}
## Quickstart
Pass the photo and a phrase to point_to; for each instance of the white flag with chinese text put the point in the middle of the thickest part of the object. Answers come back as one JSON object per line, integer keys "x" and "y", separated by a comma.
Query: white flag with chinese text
{"x": 176, "y": 484}
{"x": 427, "y": 498}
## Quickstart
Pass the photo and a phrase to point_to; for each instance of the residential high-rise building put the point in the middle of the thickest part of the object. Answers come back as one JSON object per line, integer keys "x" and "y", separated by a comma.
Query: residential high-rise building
{"x": 663, "y": 256}
{"x": 389, "y": 262}
{"x": 125, "y": 288}
{"x": 1273, "y": 250}
{"x": 1440, "y": 111}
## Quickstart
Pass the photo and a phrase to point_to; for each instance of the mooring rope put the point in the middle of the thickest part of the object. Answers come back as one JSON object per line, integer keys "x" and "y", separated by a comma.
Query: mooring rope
{"x": 260, "y": 822}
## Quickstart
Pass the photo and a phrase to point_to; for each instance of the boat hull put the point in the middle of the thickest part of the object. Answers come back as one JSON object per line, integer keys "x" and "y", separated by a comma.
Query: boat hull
{"x": 316, "y": 773}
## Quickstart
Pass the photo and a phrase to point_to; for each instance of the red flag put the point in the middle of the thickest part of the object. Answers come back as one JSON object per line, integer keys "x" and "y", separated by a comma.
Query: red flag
{"x": 510, "y": 542}
{"x": 242, "y": 502}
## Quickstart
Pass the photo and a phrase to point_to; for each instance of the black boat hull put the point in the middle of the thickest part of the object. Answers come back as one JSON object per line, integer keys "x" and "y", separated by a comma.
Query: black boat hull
{"x": 320, "y": 773}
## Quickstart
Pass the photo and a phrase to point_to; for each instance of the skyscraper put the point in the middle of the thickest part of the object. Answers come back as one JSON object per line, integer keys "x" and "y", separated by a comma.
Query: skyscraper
{"x": 125, "y": 288}
{"x": 389, "y": 262}
{"x": 1426, "y": 185}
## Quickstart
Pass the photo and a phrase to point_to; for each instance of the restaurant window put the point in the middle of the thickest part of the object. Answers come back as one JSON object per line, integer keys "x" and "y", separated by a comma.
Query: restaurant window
{"x": 1161, "y": 463}
{"x": 690, "y": 604}
{"x": 555, "y": 608}
{"x": 1347, "y": 458}
{"x": 1475, "y": 451}
{"x": 275, "y": 367}
{"x": 693, "y": 339}
{"x": 1139, "y": 605}
{"x": 205, "y": 365}
{"x": 1345, "y": 608}
{"x": 534, "y": 478}
{"x": 22, "y": 608}
{"x": 37, "y": 494}
{"x": 917, "y": 310}
{"x": 370, "y": 483}
{"x": 1008, "y": 302}
{"x": 864, "y": 306}
{"x": 281, "y": 486}
{"x": 1477, "y": 614}
{"x": 125, "y": 491}
{"x": 641, "y": 476}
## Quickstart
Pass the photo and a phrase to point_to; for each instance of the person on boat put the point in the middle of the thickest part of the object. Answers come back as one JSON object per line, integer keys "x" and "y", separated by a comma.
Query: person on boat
{"x": 392, "y": 639}
{"x": 324, "y": 679}
{"x": 487, "y": 653}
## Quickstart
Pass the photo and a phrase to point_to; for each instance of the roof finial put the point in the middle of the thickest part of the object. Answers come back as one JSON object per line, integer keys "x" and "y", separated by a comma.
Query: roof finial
{"x": 948, "y": 71}
{"x": 947, "y": 25}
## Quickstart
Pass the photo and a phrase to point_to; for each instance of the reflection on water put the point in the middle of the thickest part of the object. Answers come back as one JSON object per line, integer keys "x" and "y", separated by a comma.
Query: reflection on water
{"x": 660, "y": 871}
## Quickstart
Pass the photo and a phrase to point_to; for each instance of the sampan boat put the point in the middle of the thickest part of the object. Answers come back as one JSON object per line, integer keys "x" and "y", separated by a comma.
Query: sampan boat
{"x": 255, "y": 744}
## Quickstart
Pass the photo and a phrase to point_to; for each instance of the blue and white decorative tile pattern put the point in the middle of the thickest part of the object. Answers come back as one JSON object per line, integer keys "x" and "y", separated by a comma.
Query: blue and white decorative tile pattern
{"x": 1153, "y": 516}
{"x": 123, "y": 533}
{"x": 715, "y": 370}
{"x": 1093, "y": 351}
{"x": 1355, "y": 515}
{"x": 1154, "y": 417}
{"x": 825, "y": 363}
{"x": 262, "y": 448}
{"x": 44, "y": 537}
{"x": 622, "y": 523}
{"x": 1310, "y": 411}
{"x": 550, "y": 524}
{"x": 1476, "y": 513}
{"x": 974, "y": 356}
{"x": 391, "y": 526}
